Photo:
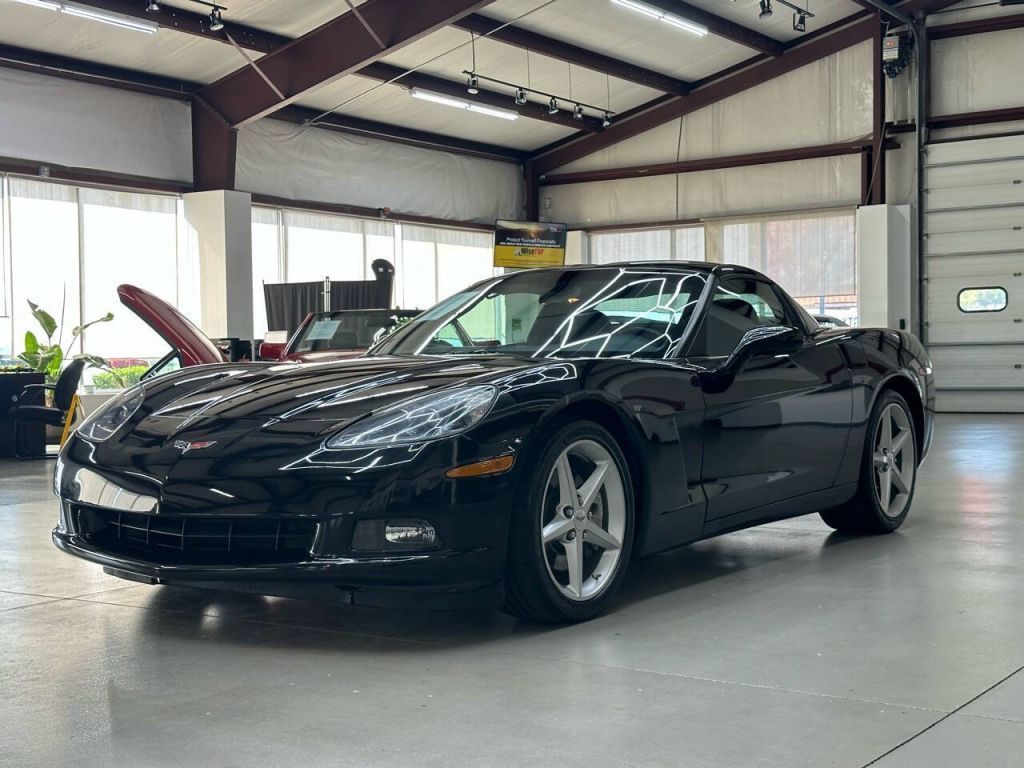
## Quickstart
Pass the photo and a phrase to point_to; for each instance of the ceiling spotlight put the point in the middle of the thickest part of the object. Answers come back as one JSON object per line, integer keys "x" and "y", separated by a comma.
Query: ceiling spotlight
{"x": 473, "y": 84}
{"x": 216, "y": 22}
{"x": 552, "y": 105}
{"x": 520, "y": 96}
{"x": 766, "y": 9}
{"x": 577, "y": 112}
{"x": 799, "y": 22}
{"x": 606, "y": 120}
{"x": 152, "y": 6}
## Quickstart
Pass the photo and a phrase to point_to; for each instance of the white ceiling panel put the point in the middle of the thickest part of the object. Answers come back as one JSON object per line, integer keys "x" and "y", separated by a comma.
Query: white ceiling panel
{"x": 780, "y": 24}
{"x": 603, "y": 26}
{"x": 447, "y": 52}
{"x": 165, "y": 53}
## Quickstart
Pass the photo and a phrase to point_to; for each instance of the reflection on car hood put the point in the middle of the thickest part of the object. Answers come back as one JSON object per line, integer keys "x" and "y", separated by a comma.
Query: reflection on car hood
{"x": 336, "y": 391}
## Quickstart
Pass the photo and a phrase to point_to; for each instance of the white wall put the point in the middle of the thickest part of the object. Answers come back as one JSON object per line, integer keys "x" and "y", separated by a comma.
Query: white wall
{"x": 302, "y": 163}
{"x": 63, "y": 122}
{"x": 825, "y": 102}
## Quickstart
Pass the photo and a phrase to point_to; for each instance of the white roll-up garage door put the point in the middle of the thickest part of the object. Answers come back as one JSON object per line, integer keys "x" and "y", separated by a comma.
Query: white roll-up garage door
{"x": 974, "y": 265}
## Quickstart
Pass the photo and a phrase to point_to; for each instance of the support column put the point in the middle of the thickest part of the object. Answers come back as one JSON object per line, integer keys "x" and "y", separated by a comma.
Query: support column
{"x": 532, "y": 191}
{"x": 220, "y": 233}
{"x": 875, "y": 192}
{"x": 214, "y": 145}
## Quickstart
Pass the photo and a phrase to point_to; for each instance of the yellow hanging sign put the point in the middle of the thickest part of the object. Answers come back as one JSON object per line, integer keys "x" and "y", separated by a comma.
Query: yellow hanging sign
{"x": 527, "y": 244}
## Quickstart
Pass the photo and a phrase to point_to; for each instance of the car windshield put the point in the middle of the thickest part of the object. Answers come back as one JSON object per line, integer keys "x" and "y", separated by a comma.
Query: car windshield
{"x": 348, "y": 329}
{"x": 606, "y": 312}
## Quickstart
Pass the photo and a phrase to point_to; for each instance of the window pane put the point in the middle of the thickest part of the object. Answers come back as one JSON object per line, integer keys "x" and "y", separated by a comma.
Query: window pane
{"x": 127, "y": 238}
{"x": 644, "y": 245}
{"x": 459, "y": 266}
{"x": 988, "y": 299}
{"x": 322, "y": 246}
{"x": 44, "y": 258}
{"x": 690, "y": 244}
{"x": 812, "y": 256}
{"x": 437, "y": 262}
{"x": 266, "y": 263}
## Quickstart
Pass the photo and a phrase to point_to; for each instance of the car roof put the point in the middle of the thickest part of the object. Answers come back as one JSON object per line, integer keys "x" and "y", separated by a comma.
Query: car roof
{"x": 666, "y": 266}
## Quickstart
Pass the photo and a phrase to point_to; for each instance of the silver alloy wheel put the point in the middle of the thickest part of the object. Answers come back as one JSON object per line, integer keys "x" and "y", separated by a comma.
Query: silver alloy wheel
{"x": 583, "y": 522}
{"x": 894, "y": 460}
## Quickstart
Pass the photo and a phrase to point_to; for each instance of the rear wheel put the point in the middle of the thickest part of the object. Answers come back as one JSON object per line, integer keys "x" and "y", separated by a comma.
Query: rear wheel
{"x": 572, "y": 528}
{"x": 888, "y": 472}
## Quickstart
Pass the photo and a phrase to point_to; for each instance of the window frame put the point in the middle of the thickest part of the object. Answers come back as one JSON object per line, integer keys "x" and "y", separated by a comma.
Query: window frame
{"x": 962, "y": 291}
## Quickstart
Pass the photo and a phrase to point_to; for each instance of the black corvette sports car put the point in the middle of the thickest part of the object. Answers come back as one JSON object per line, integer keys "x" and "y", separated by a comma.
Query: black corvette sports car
{"x": 521, "y": 441}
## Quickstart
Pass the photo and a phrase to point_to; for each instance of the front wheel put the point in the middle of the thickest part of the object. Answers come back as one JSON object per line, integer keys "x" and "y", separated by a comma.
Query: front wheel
{"x": 572, "y": 527}
{"x": 888, "y": 472}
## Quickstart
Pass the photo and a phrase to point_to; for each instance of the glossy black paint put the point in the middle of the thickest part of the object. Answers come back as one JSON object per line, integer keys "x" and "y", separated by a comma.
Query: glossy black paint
{"x": 783, "y": 438}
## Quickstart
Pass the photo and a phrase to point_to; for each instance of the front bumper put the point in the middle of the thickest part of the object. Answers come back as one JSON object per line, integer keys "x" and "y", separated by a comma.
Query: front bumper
{"x": 470, "y": 515}
{"x": 410, "y": 581}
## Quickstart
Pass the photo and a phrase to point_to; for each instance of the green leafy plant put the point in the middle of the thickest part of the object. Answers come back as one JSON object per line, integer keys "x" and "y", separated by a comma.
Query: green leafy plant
{"x": 119, "y": 378}
{"x": 47, "y": 358}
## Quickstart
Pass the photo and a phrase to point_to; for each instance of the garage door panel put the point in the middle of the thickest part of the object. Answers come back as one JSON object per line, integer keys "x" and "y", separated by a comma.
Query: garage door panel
{"x": 986, "y": 241}
{"x": 971, "y": 401}
{"x": 1003, "y": 268}
{"x": 992, "y": 219}
{"x": 976, "y": 150}
{"x": 977, "y": 196}
{"x": 1004, "y": 172}
{"x": 968, "y": 368}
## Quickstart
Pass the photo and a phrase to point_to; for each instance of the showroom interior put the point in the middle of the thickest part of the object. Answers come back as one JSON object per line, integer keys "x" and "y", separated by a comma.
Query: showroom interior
{"x": 187, "y": 183}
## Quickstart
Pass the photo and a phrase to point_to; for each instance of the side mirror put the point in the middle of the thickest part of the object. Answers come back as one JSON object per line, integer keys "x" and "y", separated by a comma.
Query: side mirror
{"x": 768, "y": 340}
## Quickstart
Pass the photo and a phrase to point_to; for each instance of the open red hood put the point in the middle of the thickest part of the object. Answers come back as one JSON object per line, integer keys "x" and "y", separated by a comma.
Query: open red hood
{"x": 192, "y": 345}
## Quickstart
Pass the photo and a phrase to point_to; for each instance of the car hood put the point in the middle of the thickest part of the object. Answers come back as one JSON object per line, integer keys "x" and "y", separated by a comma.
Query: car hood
{"x": 192, "y": 345}
{"x": 329, "y": 393}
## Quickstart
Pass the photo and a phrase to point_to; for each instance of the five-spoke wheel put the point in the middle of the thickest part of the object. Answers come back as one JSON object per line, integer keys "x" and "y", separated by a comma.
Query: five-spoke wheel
{"x": 569, "y": 547}
{"x": 584, "y": 520}
{"x": 888, "y": 472}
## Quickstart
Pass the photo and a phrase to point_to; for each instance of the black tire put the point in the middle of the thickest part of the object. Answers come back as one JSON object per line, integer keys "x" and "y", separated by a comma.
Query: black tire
{"x": 530, "y": 588}
{"x": 864, "y": 513}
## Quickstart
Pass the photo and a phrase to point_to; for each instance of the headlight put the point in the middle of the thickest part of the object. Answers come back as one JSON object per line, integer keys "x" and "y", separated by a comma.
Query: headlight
{"x": 112, "y": 415}
{"x": 429, "y": 417}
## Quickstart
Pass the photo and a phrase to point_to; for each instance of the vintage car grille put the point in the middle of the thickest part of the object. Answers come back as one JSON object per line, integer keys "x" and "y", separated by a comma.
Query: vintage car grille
{"x": 196, "y": 539}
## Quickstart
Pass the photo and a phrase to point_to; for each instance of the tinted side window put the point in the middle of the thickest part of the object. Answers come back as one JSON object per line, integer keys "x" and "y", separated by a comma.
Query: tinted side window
{"x": 737, "y": 306}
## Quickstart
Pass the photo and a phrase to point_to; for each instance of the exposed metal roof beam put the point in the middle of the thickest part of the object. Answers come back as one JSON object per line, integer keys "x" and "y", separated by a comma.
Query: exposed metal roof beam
{"x": 713, "y": 163}
{"x": 582, "y": 57}
{"x": 399, "y": 134}
{"x": 532, "y": 109}
{"x": 337, "y": 48}
{"x": 976, "y": 27}
{"x": 721, "y": 27}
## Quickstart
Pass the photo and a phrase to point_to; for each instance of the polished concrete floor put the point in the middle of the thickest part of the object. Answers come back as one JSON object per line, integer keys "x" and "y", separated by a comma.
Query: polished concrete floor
{"x": 786, "y": 645}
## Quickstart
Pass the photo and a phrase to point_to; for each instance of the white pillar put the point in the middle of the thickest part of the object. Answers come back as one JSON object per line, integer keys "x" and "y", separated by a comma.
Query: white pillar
{"x": 885, "y": 295}
{"x": 220, "y": 231}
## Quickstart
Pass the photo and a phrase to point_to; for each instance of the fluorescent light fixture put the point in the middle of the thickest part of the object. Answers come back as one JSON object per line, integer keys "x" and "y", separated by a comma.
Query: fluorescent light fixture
{"x": 50, "y": 5}
{"x": 451, "y": 101}
{"x": 108, "y": 17}
{"x": 669, "y": 18}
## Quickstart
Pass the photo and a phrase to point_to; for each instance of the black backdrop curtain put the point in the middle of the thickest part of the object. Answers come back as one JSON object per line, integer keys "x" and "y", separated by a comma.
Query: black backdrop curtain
{"x": 289, "y": 303}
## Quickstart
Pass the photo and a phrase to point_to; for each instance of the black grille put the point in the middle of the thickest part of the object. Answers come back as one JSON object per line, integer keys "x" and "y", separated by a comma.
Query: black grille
{"x": 195, "y": 539}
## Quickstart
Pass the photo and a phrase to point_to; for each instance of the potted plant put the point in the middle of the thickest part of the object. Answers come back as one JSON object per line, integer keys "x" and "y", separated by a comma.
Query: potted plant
{"x": 48, "y": 358}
